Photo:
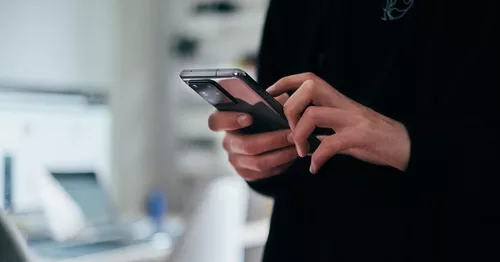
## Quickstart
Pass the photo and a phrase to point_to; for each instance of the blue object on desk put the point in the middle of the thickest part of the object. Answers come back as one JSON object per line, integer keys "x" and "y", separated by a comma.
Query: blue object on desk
{"x": 157, "y": 208}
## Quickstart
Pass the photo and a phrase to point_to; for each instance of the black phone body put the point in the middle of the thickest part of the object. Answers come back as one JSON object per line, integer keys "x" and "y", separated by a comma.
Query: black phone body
{"x": 234, "y": 90}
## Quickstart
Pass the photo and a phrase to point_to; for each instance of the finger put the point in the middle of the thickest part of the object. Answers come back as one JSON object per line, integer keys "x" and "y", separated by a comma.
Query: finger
{"x": 326, "y": 95}
{"x": 307, "y": 93}
{"x": 298, "y": 102}
{"x": 314, "y": 116}
{"x": 282, "y": 98}
{"x": 290, "y": 83}
{"x": 227, "y": 121}
{"x": 310, "y": 93}
{"x": 251, "y": 175}
{"x": 327, "y": 149}
{"x": 264, "y": 162}
{"x": 256, "y": 144}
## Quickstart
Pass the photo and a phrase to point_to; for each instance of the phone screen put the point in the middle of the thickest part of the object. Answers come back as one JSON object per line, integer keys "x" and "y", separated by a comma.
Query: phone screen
{"x": 234, "y": 94}
{"x": 229, "y": 91}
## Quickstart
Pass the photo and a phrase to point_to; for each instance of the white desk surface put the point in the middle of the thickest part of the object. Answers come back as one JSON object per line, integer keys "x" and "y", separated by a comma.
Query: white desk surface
{"x": 255, "y": 235}
{"x": 134, "y": 253}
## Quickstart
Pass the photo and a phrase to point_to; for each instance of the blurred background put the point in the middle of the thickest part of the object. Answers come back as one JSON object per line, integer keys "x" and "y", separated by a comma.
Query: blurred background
{"x": 105, "y": 153}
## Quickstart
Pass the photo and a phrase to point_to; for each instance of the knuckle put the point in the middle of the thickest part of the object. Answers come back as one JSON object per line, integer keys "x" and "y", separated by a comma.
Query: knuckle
{"x": 233, "y": 160}
{"x": 309, "y": 86}
{"x": 310, "y": 75}
{"x": 298, "y": 138}
{"x": 247, "y": 148}
{"x": 311, "y": 112}
{"x": 287, "y": 109}
{"x": 260, "y": 164}
{"x": 283, "y": 80}
{"x": 238, "y": 144}
{"x": 244, "y": 175}
{"x": 362, "y": 121}
{"x": 356, "y": 119}
{"x": 282, "y": 138}
{"x": 363, "y": 124}
{"x": 226, "y": 142}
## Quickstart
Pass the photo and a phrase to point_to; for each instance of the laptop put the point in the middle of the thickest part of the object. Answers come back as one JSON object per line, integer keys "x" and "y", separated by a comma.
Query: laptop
{"x": 103, "y": 224}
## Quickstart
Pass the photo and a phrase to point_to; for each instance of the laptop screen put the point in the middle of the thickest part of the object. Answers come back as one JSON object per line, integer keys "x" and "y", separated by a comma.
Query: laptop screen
{"x": 85, "y": 189}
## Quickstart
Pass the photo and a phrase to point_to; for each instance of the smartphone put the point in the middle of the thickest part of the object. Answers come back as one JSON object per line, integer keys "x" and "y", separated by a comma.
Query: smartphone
{"x": 234, "y": 90}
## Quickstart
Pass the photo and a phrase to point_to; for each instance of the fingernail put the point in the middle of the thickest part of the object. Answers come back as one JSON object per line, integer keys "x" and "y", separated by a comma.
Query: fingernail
{"x": 312, "y": 169}
{"x": 300, "y": 153}
{"x": 289, "y": 137}
{"x": 244, "y": 120}
{"x": 269, "y": 88}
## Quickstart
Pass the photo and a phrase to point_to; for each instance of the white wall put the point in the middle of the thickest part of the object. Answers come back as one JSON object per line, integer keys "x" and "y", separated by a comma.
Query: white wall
{"x": 57, "y": 42}
{"x": 112, "y": 44}
{"x": 60, "y": 44}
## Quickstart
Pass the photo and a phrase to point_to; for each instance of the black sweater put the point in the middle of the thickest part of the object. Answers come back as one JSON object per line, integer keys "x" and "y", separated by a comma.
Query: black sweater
{"x": 433, "y": 68}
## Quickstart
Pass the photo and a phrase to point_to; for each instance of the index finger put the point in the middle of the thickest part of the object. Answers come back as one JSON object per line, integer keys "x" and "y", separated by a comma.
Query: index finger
{"x": 290, "y": 83}
{"x": 323, "y": 117}
{"x": 228, "y": 121}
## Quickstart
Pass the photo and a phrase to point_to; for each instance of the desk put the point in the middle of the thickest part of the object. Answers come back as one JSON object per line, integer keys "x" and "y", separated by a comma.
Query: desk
{"x": 51, "y": 251}
{"x": 145, "y": 252}
{"x": 254, "y": 235}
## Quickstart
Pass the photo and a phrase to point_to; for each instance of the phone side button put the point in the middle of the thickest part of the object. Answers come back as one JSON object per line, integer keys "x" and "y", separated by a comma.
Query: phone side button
{"x": 225, "y": 72}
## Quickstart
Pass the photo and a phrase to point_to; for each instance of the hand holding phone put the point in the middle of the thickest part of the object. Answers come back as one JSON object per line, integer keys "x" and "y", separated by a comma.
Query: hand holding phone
{"x": 258, "y": 138}
{"x": 254, "y": 156}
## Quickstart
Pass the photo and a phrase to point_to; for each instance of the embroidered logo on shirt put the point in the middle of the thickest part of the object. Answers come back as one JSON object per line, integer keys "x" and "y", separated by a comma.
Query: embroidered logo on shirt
{"x": 396, "y": 9}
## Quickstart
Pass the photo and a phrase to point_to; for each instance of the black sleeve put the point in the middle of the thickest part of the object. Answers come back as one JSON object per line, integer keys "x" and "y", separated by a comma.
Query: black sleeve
{"x": 455, "y": 135}
{"x": 271, "y": 65}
